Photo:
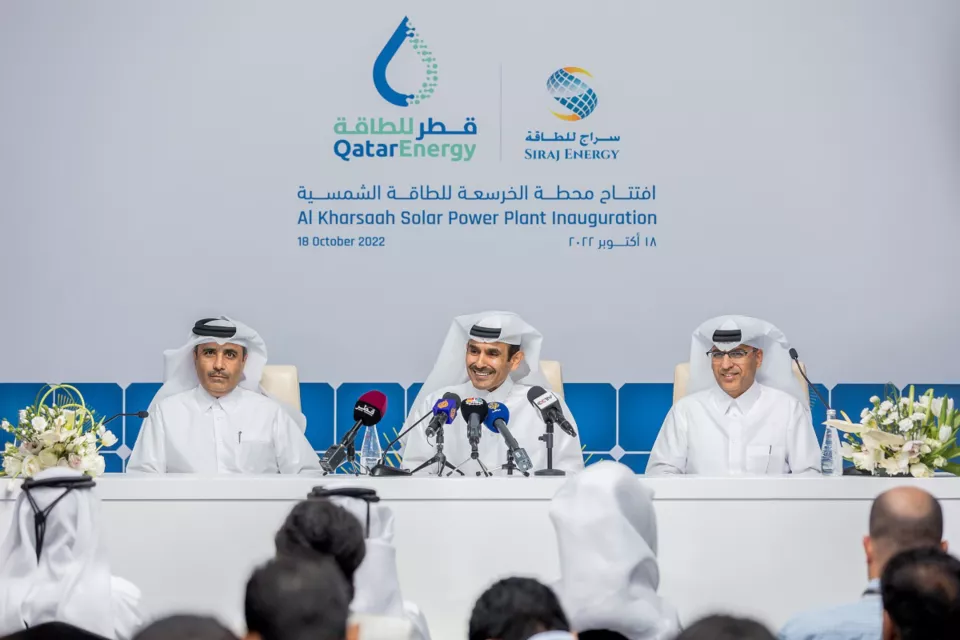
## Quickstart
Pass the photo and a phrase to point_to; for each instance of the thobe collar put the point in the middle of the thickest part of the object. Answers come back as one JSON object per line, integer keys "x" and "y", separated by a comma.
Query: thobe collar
{"x": 873, "y": 588}
{"x": 499, "y": 394}
{"x": 745, "y": 402}
{"x": 206, "y": 401}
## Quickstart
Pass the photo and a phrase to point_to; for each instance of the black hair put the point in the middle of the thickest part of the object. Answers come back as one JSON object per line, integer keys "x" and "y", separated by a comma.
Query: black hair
{"x": 921, "y": 594}
{"x": 718, "y": 627}
{"x": 515, "y": 609}
{"x": 321, "y": 528}
{"x": 297, "y": 599}
{"x": 185, "y": 627}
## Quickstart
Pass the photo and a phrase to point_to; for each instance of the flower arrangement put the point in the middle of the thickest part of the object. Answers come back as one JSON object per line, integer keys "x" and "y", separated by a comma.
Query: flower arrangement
{"x": 59, "y": 434}
{"x": 903, "y": 435}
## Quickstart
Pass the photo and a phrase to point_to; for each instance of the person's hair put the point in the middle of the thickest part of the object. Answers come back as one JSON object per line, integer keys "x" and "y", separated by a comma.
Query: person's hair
{"x": 297, "y": 599}
{"x": 318, "y": 527}
{"x": 512, "y": 350}
{"x": 726, "y": 628}
{"x": 921, "y": 594}
{"x": 54, "y": 631}
{"x": 185, "y": 627}
{"x": 899, "y": 522}
{"x": 600, "y": 634}
{"x": 515, "y": 609}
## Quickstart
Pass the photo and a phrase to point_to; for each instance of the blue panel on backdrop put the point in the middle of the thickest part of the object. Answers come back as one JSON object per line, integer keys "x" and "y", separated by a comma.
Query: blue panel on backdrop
{"x": 594, "y": 458}
{"x": 389, "y": 427}
{"x": 636, "y": 461}
{"x": 853, "y": 398}
{"x": 138, "y": 397}
{"x": 412, "y": 392}
{"x": 642, "y": 410}
{"x": 939, "y": 390}
{"x": 316, "y": 402}
{"x": 13, "y": 397}
{"x": 594, "y": 408}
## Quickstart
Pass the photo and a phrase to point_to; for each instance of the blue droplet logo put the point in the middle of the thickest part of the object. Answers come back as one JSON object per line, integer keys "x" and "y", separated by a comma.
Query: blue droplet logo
{"x": 405, "y": 31}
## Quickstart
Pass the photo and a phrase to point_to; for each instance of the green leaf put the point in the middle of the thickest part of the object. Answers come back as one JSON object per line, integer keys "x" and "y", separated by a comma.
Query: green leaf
{"x": 943, "y": 410}
{"x": 952, "y": 467}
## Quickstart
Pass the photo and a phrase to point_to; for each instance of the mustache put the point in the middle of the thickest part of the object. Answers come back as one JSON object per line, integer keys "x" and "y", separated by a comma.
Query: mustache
{"x": 482, "y": 370}
{"x": 218, "y": 374}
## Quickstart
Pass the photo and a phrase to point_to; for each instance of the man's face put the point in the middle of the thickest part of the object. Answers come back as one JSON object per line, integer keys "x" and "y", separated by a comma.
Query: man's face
{"x": 489, "y": 364}
{"x": 735, "y": 370}
{"x": 219, "y": 367}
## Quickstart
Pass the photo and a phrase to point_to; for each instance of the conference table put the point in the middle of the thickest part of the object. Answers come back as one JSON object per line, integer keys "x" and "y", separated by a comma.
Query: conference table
{"x": 761, "y": 546}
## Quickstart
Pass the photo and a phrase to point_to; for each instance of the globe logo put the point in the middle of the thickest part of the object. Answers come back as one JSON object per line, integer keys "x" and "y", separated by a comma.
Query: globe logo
{"x": 572, "y": 92}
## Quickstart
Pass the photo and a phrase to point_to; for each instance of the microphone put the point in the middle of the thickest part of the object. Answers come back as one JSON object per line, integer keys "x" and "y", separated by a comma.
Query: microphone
{"x": 496, "y": 420}
{"x": 474, "y": 411}
{"x": 550, "y": 409}
{"x": 139, "y": 414}
{"x": 444, "y": 412}
{"x": 796, "y": 358}
{"x": 368, "y": 411}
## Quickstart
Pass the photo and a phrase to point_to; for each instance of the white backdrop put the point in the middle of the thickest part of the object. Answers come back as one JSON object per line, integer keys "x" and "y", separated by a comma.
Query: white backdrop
{"x": 805, "y": 157}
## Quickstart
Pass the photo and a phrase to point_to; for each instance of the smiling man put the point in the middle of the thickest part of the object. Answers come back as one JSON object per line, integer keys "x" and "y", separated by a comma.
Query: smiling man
{"x": 494, "y": 356}
{"x": 212, "y": 416}
{"x": 745, "y": 412}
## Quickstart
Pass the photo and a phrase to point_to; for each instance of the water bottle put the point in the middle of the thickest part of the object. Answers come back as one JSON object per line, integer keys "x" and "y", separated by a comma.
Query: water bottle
{"x": 370, "y": 450}
{"x": 831, "y": 460}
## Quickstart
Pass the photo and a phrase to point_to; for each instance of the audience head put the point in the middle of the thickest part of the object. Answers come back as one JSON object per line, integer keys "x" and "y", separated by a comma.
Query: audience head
{"x": 726, "y": 628}
{"x": 185, "y": 627}
{"x": 921, "y": 596}
{"x": 900, "y": 519}
{"x": 317, "y": 528}
{"x": 516, "y": 609}
{"x": 291, "y": 598}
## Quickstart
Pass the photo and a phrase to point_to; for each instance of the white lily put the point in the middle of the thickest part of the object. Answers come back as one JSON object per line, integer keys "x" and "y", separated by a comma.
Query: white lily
{"x": 945, "y": 433}
{"x": 878, "y": 438}
{"x": 920, "y": 470}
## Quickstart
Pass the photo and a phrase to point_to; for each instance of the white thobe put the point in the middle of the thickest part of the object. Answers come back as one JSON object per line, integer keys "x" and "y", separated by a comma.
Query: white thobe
{"x": 242, "y": 432}
{"x": 525, "y": 424}
{"x": 763, "y": 432}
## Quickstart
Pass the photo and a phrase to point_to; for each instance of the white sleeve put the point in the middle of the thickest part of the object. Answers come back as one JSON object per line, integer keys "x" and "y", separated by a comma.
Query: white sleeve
{"x": 669, "y": 455}
{"x": 149, "y": 454}
{"x": 295, "y": 454}
{"x": 127, "y": 619}
{"x": 803, "y": 451}
{"x": 416, "y": 448}
{"x": 567, "y": 450}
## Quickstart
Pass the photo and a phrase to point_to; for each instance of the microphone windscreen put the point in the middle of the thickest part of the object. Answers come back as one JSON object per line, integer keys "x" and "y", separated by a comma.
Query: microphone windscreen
{"x": 496, "y": 411}
{"x": 143, "y": 415}
{"x": 447, "y": 405}
{"x": 370, "y": 408}
{"x": 474, "y": 407}
{"x": 535, "y": 392}
{"x": 793, "y": 354}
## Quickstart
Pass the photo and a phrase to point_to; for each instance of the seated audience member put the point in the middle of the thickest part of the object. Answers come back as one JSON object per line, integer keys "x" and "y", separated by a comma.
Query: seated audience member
{"x": 921, "y": 596}
{"x": 53, "y": 631}
{"x": 518, "y": 609}
{"x": 745, "y": 412}
{"x": 298, "y": 599}
{"x": 607, "y": 538}
{"x": 185, "y": 627}
{"x": 726, "y": 628}
{"x": 212, "y": 416}
{"x": 900, "y": 519}
{"x": 53, "y": 563}
{"x": 376, "y": 583}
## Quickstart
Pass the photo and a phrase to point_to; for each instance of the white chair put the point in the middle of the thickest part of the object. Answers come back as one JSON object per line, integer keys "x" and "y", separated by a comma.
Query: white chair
{"x": 552, "y": 372}
{"x": 282, "y": 382}
{"x": 681, "y": 376}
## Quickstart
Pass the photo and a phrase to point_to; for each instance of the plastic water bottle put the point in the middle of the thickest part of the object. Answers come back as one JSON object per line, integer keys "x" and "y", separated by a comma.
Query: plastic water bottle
{"x": 370, "y": 450}
{"x": 831, "y": 460}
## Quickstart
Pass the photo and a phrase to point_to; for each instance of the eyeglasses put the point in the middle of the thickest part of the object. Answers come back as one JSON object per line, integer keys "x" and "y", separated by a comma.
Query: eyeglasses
{"x": 737, "y": 355}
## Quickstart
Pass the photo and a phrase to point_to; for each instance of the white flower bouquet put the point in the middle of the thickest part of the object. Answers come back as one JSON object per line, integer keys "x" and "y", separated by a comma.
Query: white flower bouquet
{"x": 60, "y": 434}
{"x": 903, "y": 435}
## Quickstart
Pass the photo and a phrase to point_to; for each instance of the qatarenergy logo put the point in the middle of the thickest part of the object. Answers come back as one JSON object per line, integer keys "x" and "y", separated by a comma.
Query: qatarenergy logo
{"x": 405, "y": 136}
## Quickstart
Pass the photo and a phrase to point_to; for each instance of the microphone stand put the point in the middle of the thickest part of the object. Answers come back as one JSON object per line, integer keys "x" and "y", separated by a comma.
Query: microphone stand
{"x": 547, "y": 439}
{"x": 474, "y": 455}
{"x": 351, "y": 447}
{"x": 439, "y": 458}
{"x": 382, "y": 468}
{"x": 510, "y": 466}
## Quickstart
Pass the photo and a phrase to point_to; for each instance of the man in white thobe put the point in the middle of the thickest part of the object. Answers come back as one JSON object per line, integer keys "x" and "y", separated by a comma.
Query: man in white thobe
{"x": 607, "y": 539}
{"x": 745, "y": 413}
{"x": 53, "y": 563}
{"x": 212, "y": 416}
{"x": 494, "y": 356}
